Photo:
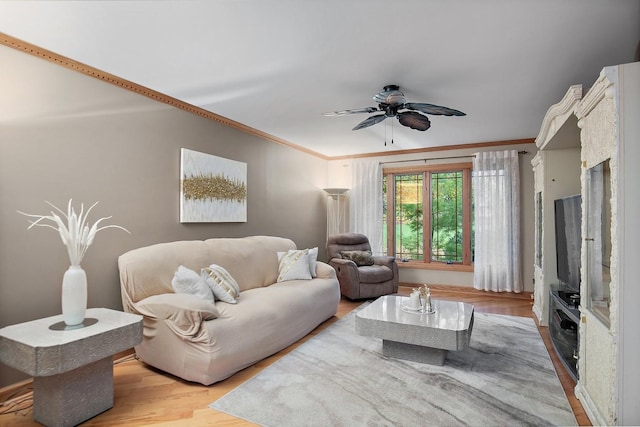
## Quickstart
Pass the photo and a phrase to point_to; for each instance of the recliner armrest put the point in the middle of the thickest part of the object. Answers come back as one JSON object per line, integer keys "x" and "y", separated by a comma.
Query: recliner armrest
{"x": 342, "y": 262}
{"x": 184, "y": 313}
{"x": 348, "y": 276}
{"x": 384, "y": 260}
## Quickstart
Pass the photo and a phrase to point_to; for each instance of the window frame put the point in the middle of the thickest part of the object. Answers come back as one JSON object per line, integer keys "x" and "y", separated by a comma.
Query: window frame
{"x": 426, "y": 262}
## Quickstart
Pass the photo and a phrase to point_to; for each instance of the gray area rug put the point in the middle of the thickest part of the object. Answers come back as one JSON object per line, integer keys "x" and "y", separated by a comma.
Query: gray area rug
{"x": 339, "y": 378}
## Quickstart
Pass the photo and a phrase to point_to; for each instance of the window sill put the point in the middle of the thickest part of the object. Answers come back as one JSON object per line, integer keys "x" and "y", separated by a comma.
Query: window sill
{"x": 435, "y": 266}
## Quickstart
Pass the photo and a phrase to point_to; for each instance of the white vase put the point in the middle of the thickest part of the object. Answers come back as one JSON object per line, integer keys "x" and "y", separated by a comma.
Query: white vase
{"x": 74, "y": 295}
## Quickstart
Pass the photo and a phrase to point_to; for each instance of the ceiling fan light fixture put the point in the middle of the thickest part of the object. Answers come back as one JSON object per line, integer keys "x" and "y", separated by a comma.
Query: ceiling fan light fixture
{"x": 392, "y": 103}
{"x": 390, "y": 95}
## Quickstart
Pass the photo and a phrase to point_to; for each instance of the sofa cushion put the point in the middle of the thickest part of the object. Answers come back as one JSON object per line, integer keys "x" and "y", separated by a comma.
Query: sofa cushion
{"x": 293, "y": 265}
{"x": 359, "y": 257}
{"x": 252, "y": 260}
{"x": 375, "y": 274}
{"x": 222, "y": 284}
{"x": 187, "y": 281}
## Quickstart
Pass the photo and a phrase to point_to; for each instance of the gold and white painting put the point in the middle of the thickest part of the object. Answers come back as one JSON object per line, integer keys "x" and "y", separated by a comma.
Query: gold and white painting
{"x": 212, "y": 188}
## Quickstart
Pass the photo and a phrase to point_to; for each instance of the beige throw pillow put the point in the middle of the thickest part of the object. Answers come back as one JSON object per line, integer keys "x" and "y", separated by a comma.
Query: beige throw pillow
{"x": 293, "y": 265}
{"x": 313, "y": 259}
{"x": 222, "y": 284}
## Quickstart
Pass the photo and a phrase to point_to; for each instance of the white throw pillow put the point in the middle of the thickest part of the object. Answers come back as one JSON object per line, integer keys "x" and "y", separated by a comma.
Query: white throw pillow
{"x": 313, "y": 259}
{"x": 293, "y": 265}
{"x": 187, "y": 281}
{"x": 222, "y": 284}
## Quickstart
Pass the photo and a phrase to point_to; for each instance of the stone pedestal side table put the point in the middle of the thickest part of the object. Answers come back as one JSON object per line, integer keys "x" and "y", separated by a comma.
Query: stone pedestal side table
{"x": 72, "y": 367}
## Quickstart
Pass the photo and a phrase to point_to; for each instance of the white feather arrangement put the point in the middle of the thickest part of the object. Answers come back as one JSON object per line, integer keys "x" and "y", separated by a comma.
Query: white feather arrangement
{"x": 76, "y": 234}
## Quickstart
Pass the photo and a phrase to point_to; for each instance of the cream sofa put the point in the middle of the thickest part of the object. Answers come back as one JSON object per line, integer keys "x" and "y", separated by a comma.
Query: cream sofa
{"x": 207, "y": 342}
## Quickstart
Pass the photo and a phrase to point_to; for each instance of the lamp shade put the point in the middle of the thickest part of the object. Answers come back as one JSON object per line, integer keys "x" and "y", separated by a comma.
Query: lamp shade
{"x": 335, "y": 191}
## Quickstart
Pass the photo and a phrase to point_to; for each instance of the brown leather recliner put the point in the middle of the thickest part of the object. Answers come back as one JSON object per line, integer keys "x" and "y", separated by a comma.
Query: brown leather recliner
{"x": 361, "y": 281}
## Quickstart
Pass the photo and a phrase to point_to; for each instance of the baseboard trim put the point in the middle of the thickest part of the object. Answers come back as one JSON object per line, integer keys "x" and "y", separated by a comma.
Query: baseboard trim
{"x": 589, "y": 406}
{"x": 13, "y": 391}
{"x": 541, "y": 320}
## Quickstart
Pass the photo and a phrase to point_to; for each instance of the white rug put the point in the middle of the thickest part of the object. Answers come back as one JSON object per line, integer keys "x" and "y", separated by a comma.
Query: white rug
{"x": 339, "y": 378}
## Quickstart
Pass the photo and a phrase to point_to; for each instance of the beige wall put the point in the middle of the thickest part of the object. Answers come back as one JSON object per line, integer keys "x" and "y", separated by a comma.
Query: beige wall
{"x": 65, "y": 135}
{"x": 340, "y": 176}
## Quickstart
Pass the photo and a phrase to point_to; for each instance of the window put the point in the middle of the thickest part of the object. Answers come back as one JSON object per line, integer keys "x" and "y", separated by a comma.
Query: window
{"x": 427, "y": 214}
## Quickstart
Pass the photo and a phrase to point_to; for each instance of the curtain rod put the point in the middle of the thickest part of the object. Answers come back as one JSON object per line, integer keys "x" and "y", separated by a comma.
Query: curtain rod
{"x": 440, "y": 158}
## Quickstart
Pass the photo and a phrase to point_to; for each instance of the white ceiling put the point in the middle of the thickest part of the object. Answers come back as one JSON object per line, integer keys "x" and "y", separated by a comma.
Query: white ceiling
{"x": 276, "y": 65}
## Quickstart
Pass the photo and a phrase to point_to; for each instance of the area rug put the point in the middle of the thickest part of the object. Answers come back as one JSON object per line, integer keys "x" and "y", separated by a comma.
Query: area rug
{"x": 339, "y": 378}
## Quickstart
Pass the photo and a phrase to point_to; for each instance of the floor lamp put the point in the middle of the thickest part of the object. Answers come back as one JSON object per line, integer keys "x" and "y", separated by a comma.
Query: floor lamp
{"x": 336, "y": 218}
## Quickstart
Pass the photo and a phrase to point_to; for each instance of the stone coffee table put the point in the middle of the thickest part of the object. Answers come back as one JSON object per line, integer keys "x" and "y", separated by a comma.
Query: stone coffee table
{"x": 411, "y": 335}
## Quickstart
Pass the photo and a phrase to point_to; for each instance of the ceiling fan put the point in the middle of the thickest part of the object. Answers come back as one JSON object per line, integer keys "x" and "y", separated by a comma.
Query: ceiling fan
{"x": 391, "y": 103}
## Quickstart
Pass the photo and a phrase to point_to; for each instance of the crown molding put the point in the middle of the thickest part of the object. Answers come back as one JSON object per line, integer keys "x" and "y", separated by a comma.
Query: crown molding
{"x": 475, "y": 145}
{"x": 90, "y": 71}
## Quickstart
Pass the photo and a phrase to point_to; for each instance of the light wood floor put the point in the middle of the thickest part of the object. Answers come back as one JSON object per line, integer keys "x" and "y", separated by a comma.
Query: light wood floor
{"x": 144, "y": 396}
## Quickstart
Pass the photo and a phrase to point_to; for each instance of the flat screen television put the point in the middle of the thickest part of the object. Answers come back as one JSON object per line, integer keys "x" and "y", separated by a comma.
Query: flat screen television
{"x": 568, "y": 215}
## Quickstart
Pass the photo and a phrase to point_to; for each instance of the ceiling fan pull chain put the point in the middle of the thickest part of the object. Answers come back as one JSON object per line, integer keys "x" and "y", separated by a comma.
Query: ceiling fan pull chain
{"x": 385, "y": 134}
{"x": 391, "y": 131}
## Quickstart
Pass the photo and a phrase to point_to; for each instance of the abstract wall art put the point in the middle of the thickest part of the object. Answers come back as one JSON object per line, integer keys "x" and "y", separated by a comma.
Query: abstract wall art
{"x": 212, "y": 188}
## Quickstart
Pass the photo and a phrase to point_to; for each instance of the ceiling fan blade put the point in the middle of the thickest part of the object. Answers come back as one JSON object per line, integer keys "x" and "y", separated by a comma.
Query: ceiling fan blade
{"x": 391, "y": 95}
{"x": 433, "y": 109}
{"x": 347, "y": 112}
{"x": 414, "y": 120}
{"x": 370, "y": 121}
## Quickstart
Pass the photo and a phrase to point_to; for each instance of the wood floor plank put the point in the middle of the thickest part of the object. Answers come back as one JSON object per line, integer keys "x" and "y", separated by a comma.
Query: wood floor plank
{"x": 146, "y": 396}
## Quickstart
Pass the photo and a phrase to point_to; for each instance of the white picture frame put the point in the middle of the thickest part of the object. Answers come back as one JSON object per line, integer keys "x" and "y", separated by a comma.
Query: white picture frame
{"x": 212, "y": 188}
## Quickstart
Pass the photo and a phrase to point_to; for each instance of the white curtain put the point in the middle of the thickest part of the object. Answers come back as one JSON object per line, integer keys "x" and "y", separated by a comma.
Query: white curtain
{"x": 365, "y": 202}
{"x": 496, "y": 186}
